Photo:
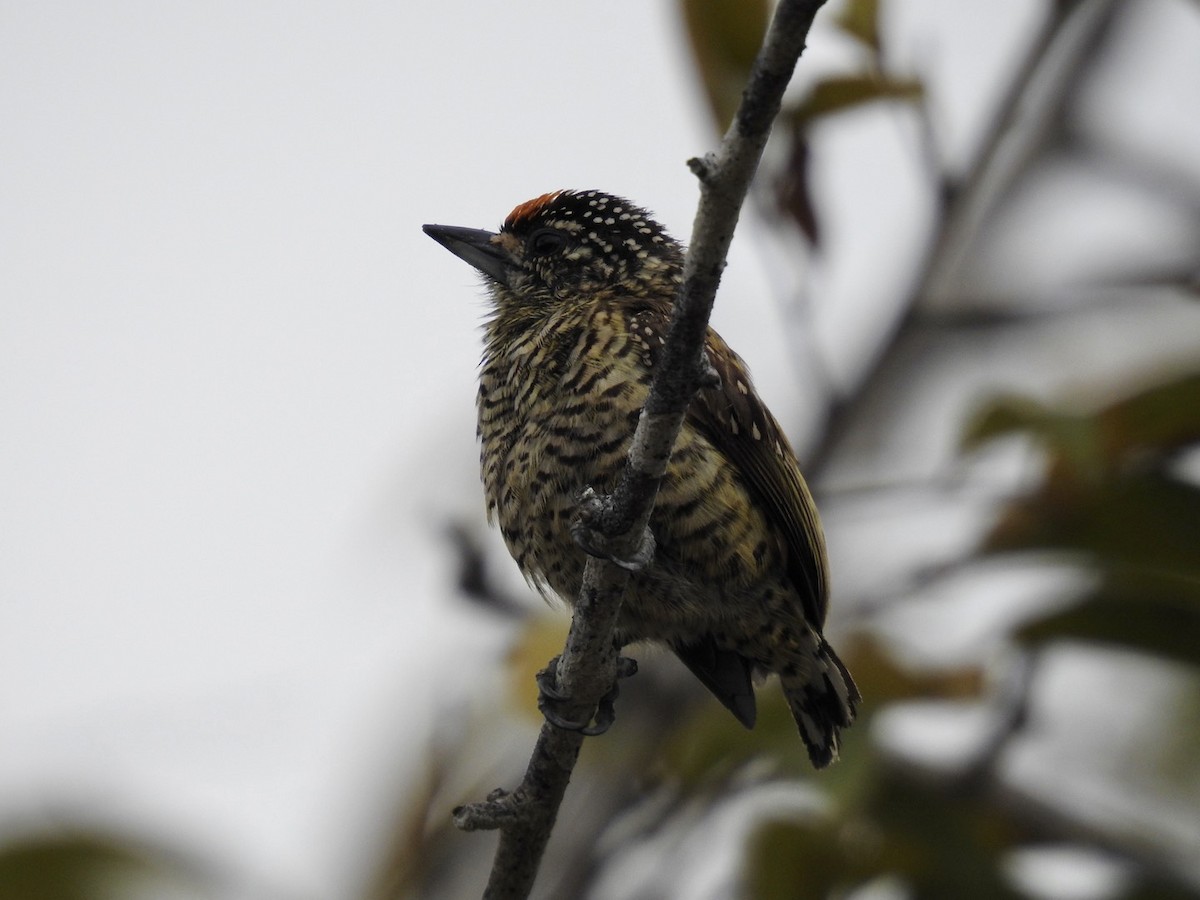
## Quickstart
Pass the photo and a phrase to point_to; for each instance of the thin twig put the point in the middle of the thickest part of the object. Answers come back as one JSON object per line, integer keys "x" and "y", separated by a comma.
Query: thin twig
{"x": 587, "y": 667}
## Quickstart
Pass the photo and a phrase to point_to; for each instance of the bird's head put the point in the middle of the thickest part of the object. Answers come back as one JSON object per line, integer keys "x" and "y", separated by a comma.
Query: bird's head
{"x": 569, "y": 246}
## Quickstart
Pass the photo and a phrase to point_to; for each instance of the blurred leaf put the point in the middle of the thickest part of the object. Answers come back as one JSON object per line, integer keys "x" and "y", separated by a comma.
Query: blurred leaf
{"x": 710, "y": 743}
{"x": 540, "y": 641}
{"x": 1158, "y": 890}
{"x": 1072, "y": 438}
{"x": 1147, "y": 522}
{"x": 937, "y": 844}
{"x": 1153, "y": 422}
{"x": 79, "y": 866}
{"x": 725, "y": 36}
{"x": 841, "y": 92}
{"x": 860, "y": 20}
{"x": 882, "y": 679}
{"x": 1004, "y": 415}
{"x": 1155, "y": 613}
{"x": 790, "y": 858}
{"x": 474, "y": 579}
{"x": 1103, "y": 495}
{"x": 793, "y": 190}
{"x": 1163, "y": 418}
{"x": 943, "y": 844}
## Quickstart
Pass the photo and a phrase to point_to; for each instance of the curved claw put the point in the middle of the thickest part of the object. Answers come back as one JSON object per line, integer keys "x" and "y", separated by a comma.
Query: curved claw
{"x": 600, "y": 726}
{"x": 550, "y": 696}
{"x": 595, "y": 543}
{"x": 547, "y": 683}
{"x": 641, "y": 558}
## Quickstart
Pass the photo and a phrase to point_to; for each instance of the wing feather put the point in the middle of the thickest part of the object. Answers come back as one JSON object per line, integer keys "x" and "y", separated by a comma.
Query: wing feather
{"x": 736, "y": 421}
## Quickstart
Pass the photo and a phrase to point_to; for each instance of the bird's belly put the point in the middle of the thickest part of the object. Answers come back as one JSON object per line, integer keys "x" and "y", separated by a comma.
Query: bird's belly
{"x": 714, "y": 550}
{"x": 534, "y": 492}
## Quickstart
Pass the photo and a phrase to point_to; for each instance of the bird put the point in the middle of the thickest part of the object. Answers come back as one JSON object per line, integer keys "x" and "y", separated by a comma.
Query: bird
{"x": 582, "y": 285}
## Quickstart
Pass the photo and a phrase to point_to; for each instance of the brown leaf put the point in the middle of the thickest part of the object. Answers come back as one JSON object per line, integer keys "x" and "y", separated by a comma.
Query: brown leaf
{"x": 724, "y": 36}
{"x": 793, "y": 191}
{"x": 841, "y": 92}
{"x": 860, "y": 20}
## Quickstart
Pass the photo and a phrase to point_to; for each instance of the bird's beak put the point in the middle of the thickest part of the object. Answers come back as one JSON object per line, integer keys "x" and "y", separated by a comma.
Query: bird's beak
{"x": 474, "y": 245}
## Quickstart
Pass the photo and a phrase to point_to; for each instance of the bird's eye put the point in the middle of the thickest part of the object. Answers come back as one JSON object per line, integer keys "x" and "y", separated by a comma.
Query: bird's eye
{"x": 546, "y": 241}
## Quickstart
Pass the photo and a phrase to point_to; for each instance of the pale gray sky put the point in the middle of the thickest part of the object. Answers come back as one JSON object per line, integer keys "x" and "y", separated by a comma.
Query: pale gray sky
{"x": 237, "y": 381}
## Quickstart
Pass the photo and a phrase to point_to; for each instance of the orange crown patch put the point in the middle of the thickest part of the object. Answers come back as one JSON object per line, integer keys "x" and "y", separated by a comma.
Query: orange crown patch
{"x": 530, "y": 209}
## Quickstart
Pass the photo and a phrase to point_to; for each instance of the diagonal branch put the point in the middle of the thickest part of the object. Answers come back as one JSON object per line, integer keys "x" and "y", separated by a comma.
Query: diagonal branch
{"x": 587, "y": 668}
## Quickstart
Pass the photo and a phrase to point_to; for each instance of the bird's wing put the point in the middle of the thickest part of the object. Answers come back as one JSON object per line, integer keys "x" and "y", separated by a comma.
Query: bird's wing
{"x": 735, "y": 420}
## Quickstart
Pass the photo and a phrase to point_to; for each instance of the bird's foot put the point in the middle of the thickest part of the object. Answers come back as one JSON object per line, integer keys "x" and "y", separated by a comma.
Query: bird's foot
{"x": 587, "y": 532}
{"x": 550, "y": 697}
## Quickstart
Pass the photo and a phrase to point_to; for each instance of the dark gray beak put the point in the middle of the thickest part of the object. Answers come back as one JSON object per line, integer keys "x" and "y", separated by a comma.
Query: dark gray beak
{"x": 473, "y": 245}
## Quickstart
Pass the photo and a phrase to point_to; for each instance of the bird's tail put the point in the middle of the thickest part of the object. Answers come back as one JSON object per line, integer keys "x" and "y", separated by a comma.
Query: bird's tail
{"x": 823, "y": 699}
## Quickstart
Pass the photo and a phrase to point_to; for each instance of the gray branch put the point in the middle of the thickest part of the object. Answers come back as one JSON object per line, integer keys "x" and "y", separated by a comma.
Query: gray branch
{"x": 587, "y": 667}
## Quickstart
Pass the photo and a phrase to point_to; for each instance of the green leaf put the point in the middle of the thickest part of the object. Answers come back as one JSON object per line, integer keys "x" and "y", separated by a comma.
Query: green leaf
{"x": 83, "y": 866}
{"x": 794, "y": 858}
{"x": 938, "y": 844}
{"x": 1105, "y": 493}
{"x": 1151, "y": 612}
{"x": 706, "y": 746}
{"x": 942, "y": 844}
{"x": 1164, "y": 418}
{"x": 1153, "y": 422}
{"x": 1009, "y": 414}
{"x": 1140, "y": 521}
{"x": 883, "y": 679}
{"x": 725, "y": 36}
{"x": 860, "y": 20}
{"x": 842, "y": 92}
{"x": 1074, "y": 440}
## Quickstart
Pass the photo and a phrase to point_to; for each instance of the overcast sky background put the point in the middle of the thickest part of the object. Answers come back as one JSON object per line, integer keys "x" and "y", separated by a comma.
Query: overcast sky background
{"x": 237, "y": 382}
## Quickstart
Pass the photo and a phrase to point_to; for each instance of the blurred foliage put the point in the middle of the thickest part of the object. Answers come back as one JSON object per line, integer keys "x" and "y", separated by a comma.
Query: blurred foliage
{"x": 90, "y": 866}
{"x": 1110, "y": 496}
{"x": 826, "y": 97}
{"x": 838, "y": 93}
{"x": 539, "y": 641}
{"x": 860, "y": 20}
{"x": 724, "y": 38}
{"x": 940, "y": 845}
{"x": 706, "y": 744}
{"x": 829, "y": 95}
{"x": 1161, "y": 420}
